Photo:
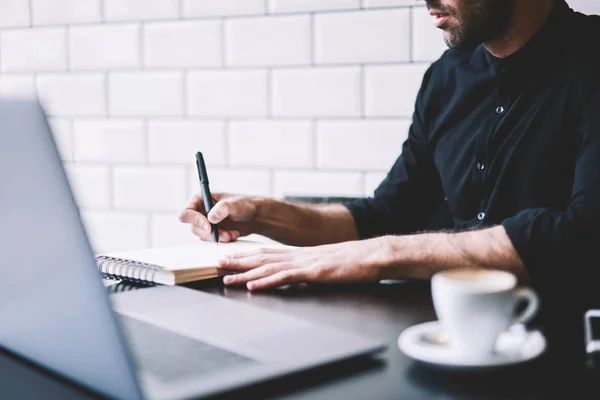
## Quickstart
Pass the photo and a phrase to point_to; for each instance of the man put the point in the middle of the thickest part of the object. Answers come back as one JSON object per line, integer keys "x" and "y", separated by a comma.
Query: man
{"x": 505, "y": 136}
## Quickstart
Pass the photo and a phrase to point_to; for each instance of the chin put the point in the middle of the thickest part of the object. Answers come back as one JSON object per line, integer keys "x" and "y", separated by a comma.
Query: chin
{"x": 449, "y": 39}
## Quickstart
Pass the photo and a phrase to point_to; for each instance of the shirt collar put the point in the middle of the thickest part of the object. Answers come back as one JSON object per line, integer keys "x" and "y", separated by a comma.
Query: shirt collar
{"x": 539, "y": 49}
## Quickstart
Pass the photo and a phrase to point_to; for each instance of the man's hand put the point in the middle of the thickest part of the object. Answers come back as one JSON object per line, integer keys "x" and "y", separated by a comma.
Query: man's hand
{"x": 295, "y": 223}
{"x": 235, "y": 216}
{"x": 415, "y": 257}
{"x": 356, "y": 261}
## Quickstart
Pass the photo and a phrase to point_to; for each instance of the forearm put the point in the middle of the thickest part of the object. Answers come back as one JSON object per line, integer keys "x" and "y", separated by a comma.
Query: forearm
{"x": 421, "y": 256}
{"x": 303, "y": 224}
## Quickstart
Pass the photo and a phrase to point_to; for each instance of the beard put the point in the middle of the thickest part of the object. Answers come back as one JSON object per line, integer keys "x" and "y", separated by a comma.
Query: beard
{"x": 475, "y": 22}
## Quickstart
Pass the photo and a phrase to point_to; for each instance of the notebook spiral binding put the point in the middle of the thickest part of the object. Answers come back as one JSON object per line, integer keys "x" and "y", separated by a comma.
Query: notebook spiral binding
{"x": 124, "y": 286}
{"x": 126, "y": 270}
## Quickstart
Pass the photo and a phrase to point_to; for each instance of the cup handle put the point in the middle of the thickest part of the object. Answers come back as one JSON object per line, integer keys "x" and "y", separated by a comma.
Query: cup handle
{"x": 533, "y": 304}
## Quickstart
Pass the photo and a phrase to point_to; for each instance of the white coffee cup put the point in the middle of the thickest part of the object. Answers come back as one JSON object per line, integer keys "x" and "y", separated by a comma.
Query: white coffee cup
{"x": 474, "y": 306}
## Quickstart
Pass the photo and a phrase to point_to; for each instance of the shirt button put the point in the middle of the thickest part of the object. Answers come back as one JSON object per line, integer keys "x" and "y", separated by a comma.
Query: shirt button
{"x": 480, "y": 166}
{"x": 499, "y": 110}
{"x": 481, "y": 216}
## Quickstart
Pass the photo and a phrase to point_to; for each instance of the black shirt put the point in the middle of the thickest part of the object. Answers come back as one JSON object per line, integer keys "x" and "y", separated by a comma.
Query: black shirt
{"x": 513, "y": 141}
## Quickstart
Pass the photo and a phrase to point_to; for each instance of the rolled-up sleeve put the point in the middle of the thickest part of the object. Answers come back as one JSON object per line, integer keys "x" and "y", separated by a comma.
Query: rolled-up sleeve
{"x": 405, "y": 199}
{"x": 550, "y": 241}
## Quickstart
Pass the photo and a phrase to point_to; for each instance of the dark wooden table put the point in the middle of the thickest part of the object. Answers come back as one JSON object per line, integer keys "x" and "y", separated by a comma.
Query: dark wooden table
{"x": 380, "y": 310}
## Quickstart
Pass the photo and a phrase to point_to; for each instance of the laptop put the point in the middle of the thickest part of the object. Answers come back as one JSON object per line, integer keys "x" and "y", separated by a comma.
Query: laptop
{"x": 163, "y": 342}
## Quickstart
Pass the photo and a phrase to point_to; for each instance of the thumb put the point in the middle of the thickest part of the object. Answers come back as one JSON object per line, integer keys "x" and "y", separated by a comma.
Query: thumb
{"x": 219, "y": 212}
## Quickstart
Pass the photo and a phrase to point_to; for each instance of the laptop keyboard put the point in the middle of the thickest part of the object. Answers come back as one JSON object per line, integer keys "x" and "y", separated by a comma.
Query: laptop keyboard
{"x": 170, "y": 356}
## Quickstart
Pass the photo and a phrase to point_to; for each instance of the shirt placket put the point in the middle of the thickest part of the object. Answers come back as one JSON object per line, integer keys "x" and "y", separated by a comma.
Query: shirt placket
{"x": 483, "y": 154}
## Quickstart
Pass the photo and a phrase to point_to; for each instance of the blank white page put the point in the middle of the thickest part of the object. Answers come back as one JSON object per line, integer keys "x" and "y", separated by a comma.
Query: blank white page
{"x": 202, "y": 254}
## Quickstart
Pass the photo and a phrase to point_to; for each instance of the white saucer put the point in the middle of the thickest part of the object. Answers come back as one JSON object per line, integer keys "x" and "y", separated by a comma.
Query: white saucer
{"x": 513, "y": 347}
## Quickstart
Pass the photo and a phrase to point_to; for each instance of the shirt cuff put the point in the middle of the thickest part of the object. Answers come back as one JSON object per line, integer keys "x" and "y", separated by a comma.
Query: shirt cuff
{"x": 362, "y": 218}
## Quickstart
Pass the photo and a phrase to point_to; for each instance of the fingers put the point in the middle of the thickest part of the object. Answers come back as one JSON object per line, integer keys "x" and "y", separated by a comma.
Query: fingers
{"x": 265, "y": 251}
{"x": 203, "y": 229}
{"x": 280, "y": 278}
{"x": 193, "y": 217}
{"x": 236, "y": 208}
{"x": 191, "y": 212}
{"x": 256, "y": 273}
{"x": 196, "y": 204}
{"x": 224, "y": 235}
{"x": 255, "y": 260}
{"x": 219, "y": 212}
{"x": 202, "y": 234}
{"x": 193, "y": 202}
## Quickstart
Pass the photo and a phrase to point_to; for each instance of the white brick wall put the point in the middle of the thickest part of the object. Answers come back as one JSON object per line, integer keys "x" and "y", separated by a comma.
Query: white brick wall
{"x": 227, "y": 93}
{"x": 126, "y": 10}
{"x": 146, "y": 94}
{"x": 61, "y": 128}
{"x": 316, "y": 92}
{"x": 39, "y": 49}
{"x": 149, "y": 188}
{"x": 91, "y": 185}
{"x": 109, "y": 141}
{"x": 268, "y": 41}
{"x": 177, "y": 141}
{"x": 73, "y": 95}
{"x": 362, "y": 37}
{"x": 104, "y": 47}
{"x": 14, "y": 13}
{"x": 368, "y": 144}
{"x": 52, "y": 12}
{"x": 222, "y": 8}
{"x": 271, "y": 143}
{"x": 283, "y": 97}
{"x": 17, "y": 85}
{"x": 183, "y": 44}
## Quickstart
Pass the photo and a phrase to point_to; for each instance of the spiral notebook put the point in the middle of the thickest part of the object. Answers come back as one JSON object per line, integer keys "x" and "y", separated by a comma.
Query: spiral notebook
{"x": 176, "y": 264}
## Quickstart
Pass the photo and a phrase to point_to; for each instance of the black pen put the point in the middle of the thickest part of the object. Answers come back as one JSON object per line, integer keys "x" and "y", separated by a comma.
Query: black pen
{"x": 208, "y": 201}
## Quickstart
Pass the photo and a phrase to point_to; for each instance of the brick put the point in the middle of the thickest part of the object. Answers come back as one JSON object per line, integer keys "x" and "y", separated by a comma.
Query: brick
{"x": 166, "y": 230}
{"x": 317, "y": 183}
{"x": 268, "y": 41}
{"x": 39, "y": 49}
{"x": 372, "y": 181}
{"x": 222, "y": 8}
{"x": 104, "y": 46}
{"x": 428, "y": 41}
{"x": 63, "y": 137}
{"x": 271, "y": 143}
{"x": 149, "y": 188}
{"x": 391, "y": 91}
{"x": 111, "y": 231}
{"x": 17, "y": 85}
{"x": 367, "y": 144}
{"x": 73, "y": 95}
{"x": 240, "y": 181}
{"x": 138, "y": 94}
{"x": 132, "y": 10}
{"x": 366, "y": 36}
{"x": 91, "y": 185}
{"x": 235, "y": 93}
{"x": 318, "y": 92}
{"x": 14, "y": 13}
{"x": 182, "y": 44}
{"x": 388, "y": 3}
{"x": 178, "y": 141}
{"x": 101, "y": 140}
{"x": 277, "y": 6}
{"x": 50, "y": 12}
